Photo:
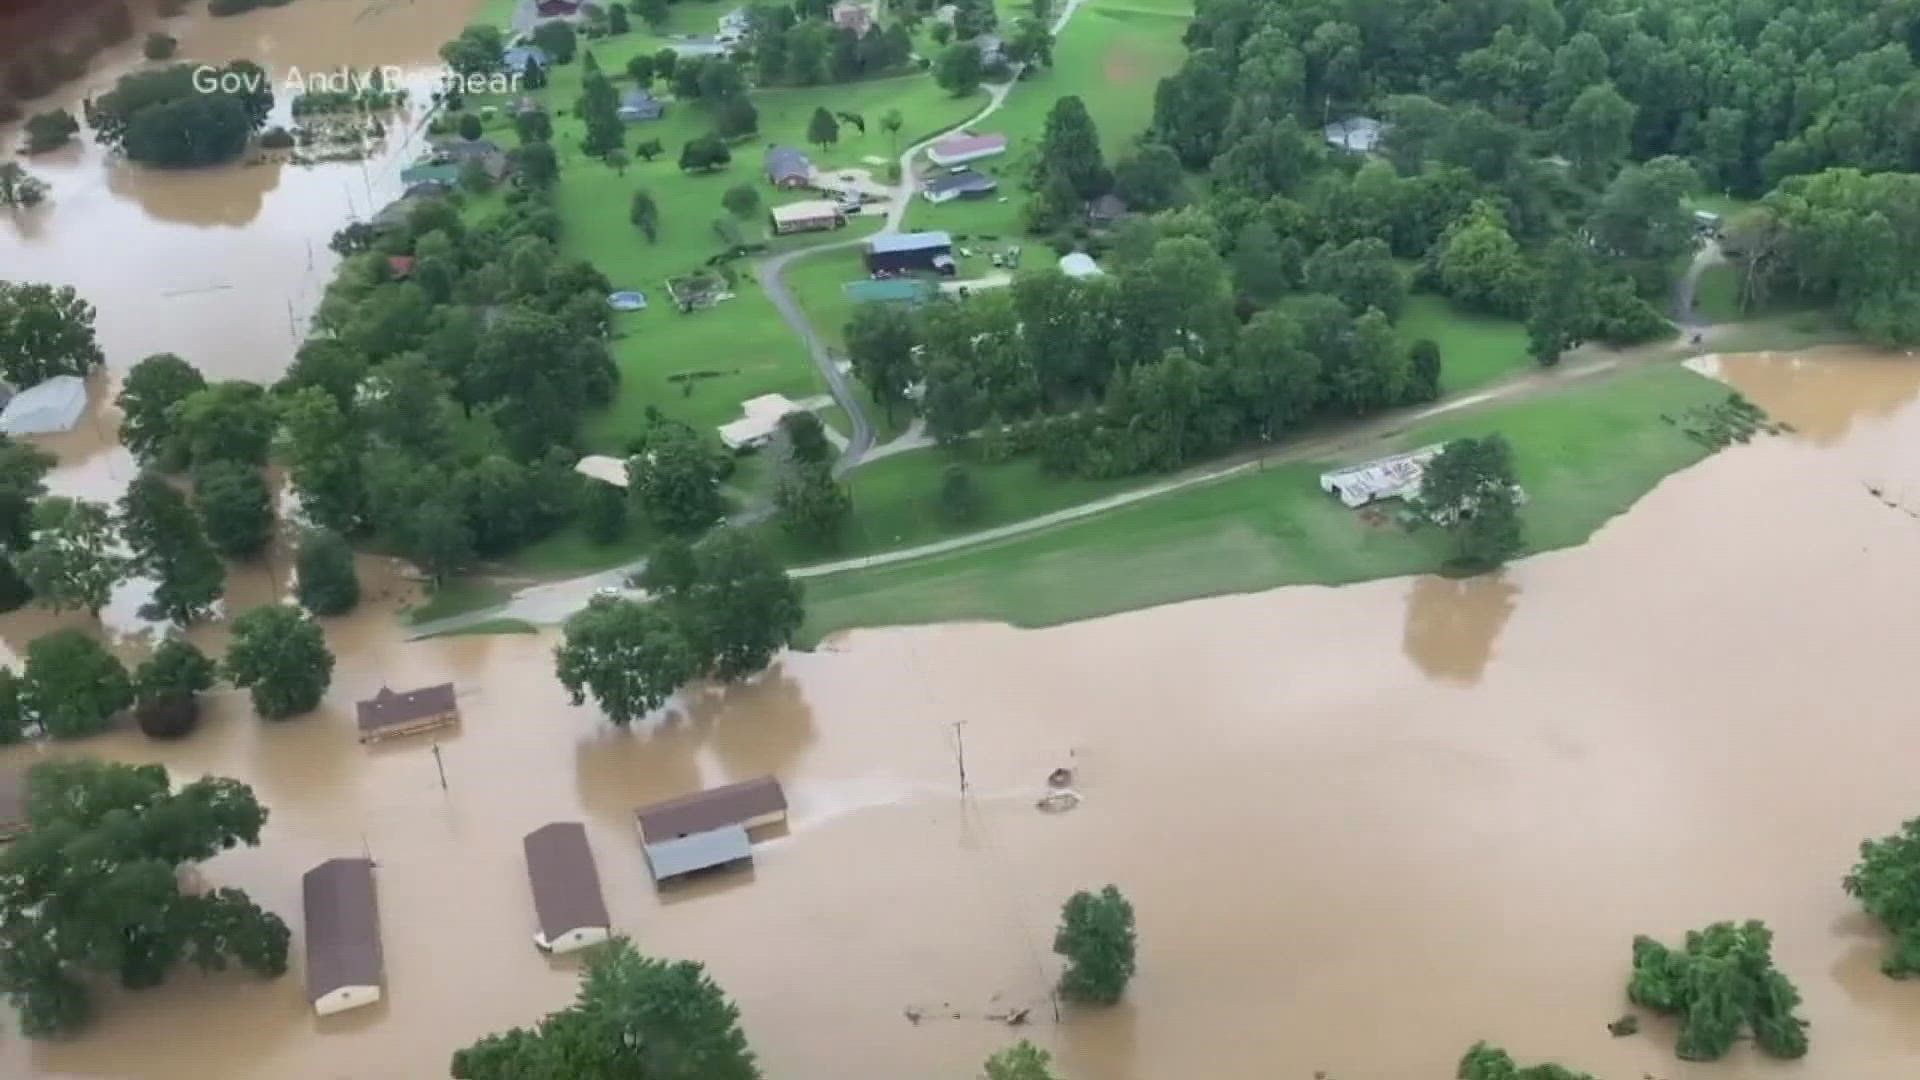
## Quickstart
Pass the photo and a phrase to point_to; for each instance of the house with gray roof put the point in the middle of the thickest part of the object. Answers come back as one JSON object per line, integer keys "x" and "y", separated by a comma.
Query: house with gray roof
{"x": 708, "y": 850}
{"x": 787, "y": 167}
{"x": 637, "y": 105}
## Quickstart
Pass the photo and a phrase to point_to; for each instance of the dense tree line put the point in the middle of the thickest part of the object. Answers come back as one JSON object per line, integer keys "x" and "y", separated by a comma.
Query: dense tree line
{"x": 797, "y": 45}
{"x": 175, "y": 117}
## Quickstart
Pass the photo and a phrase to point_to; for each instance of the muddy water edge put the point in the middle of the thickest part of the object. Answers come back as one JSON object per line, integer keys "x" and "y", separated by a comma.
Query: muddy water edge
{"x": 1362, "y": 827}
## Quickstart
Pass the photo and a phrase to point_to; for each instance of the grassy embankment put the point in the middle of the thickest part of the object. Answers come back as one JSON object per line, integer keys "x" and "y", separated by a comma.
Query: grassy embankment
{"x": 1584, "y": 455}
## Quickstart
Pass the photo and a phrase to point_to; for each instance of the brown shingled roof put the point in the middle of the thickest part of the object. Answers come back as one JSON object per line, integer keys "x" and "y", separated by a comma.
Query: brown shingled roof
{"x": 343, "y": 926}
{"x": 566, "y": 887}
{"x": 733, "y": 804}
{"x": 387, "y": 709}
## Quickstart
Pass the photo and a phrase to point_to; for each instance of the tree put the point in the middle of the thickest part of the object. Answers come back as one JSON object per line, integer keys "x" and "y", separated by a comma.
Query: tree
{"x": 1274, "y": 376}
{"x": 655, "y": 12}
{"x": 19, "y": 189}
{"x": 812, "y": 504}
{"x": 1597, "y": 132}
{"x": 734, "y": 116}
{"x": 533, "y": 125}
{"x": 23, "y": 470}
{"x": 45, "y": 331}
{"x": 1096, "y": 937}
{"x": 806, "y": 438}
{"x": 73, "y": 686}
{"x": 1722, "y": 979}
{"x": 1070, "y": 147}
{"x": 50, "y": 130}
{"x": 891, "y": 122}
{"x": 822, "y": 129}
{"x": 1262, "y": 269}
{"x": 13, "y": 724}
{"x": 675, "y": 479}
{"x": 1479, "y": 264}
{"x": 705, "y": 153}
{"x": 322, "y": 453}
{"x": 1149, "y": 178}
{"x": 95, "y": 888}
{"x": 1361, "y": 274}
{"x": 1560, "y": 311}
{"x": 959, "y": 496}
{"x": 1423, "y": 361}
{"x": 469, "y": 127}
{"x": 479, "y": 50}
{"x": 742, "y": 201}
{"x": 327, "y": 583}
{"x": 169, "y": 117}
{"x": 557, "y": 39}
{"x": 536, "y": 166}
{"x": 72, "y": 563}
{"x": 1484, "y": 1062}
{"x": 617, "y": 20}
{"x": 152, "y": 387}
{"x": 1030, "y": 43}
{"x": 629, "y": 656}
{"x": 880, "y": 342}
{"x": 235, "y": 507}
{"x": 1469, "y": 488}
{"x": 731, "y": 598}
{"x": 617, "y": 160}
{"x": 226, "y": 421}
{"x": 648, "y": 149}
{"x": 599, "y": 106}
{"x": 168, "y": 545}
{"x": 672, "y": 1020}
{"x": 603, "y": 512}
{"x": 958, "y": 70}
{"x": 1886, "y": 881}
{"x": 281, "y": 657}
{"x": 167, "y": 688}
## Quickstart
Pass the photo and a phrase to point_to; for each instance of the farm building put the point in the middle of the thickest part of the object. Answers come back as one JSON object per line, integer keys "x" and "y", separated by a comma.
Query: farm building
{"x": 566, "y": 888}
{"x": 669, "y": 859}
{"x": 45, "y": 408}
{"x": 895, "y": 253}
{"x": 1358, "y": 134}
{"x": 965, "y": 184}
{"x": 13, "y": 804}
{"x": 962, "y": 148}
{"x": 1396, "y": 477}
{"x": 813, "y": 215}
{"x": 902, "y": 290}
{"x": 787, "y": 167}
{"x": 387, "y": 714}
{"x": 1079, "y": 264}
{"x": 344, "y": 965}
{"x": 637, "y": 105}
{"x": 762, "y": 419}
{"x": 748, "y": 804}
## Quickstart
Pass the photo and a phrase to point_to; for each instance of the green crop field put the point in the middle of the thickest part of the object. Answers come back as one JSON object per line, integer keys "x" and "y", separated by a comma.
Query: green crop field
{"x": 1583, "y": 455}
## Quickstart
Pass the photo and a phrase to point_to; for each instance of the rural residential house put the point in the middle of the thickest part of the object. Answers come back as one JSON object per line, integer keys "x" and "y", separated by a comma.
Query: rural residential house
{"x": 387, "y": 714}
{"x": 965, "y": 184}
{"x": 724, "y": 846}
{"x": 709, "y": 828}
{"x": 345, "y": 968}
{"x": 762, "y": 419}
{"x": 637, "y": 105}
{"x": 813, "y": 215}
{"x": 458, "y": 152}
{"x": 962, "y": 148}
{"x": 787, "y": 167}
{"x": 899, "y": 253}
{"x": 566, "y": 888}
{"x": 516, "y": 59}
{"x": 1106, "y": 210}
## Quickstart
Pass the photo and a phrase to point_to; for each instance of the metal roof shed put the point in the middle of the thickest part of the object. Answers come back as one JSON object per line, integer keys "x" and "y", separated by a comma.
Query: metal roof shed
{"x": 48, "y": 408}
{"x": 701, "y": 851}
{"x": 891, "y": 243}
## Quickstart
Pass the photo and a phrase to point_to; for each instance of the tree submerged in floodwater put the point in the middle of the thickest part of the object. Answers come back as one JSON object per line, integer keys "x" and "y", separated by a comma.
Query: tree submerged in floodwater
{"x": 1886, "y": 881}
{"x": 1723, "y": 978}
{"x": 1485, "y": 1062}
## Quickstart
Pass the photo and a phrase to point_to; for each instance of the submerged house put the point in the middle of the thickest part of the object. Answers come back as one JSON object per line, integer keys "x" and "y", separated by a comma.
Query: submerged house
{"x": 387, "y": 714}
{"x": 708, "y": 828}
{"x": 566, "y": 888}
{"x": 46, "y": 408}
{"x": 345, "y": 967}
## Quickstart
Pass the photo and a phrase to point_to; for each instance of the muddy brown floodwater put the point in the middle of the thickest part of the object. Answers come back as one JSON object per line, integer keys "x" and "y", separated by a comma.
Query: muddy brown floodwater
{"x": 222, "y": 266}
{"x": 1362, "y": 827}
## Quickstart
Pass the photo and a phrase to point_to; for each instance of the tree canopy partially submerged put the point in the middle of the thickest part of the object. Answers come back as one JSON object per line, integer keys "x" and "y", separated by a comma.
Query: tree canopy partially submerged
{"x": 1721, "y": 980}
{"x": 1485, "y": 1062}
{"x": 1886, "y": 881}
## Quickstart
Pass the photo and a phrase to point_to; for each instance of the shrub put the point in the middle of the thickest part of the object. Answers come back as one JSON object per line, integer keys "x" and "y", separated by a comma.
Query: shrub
{"x": 159, "y": 46}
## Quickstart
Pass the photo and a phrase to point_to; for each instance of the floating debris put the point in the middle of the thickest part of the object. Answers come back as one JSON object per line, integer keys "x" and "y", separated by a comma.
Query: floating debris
{"x": 1627, "y": 1024}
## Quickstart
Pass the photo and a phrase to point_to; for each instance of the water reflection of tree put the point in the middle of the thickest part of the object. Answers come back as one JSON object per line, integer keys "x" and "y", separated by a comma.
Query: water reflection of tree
{"x": 1100, "y": 1042}
{"x": 229, "y": 195}
{"x": 1452, "y": 623}
{"x": 756, "y": 727}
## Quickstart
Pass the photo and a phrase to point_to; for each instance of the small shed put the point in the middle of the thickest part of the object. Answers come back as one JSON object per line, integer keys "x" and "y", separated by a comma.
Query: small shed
{"x": 813, "y": 215}
{"x": 787, "y": 167}
{"x": 965, "y": 184}
{"x": 669, "y": 859}
{"x": 13, "y": 804}
{"x": 748, "y": 804}
{"x": 762, "y": 418}
{"x": 1356, "y": 134}
{"x": 566, "y": 888}
{"x": 637, "y": 105}
{"x": 893, "y": 253}
{"x": 964, "y": 147}
{"x": 46, "y": 409}
{"x": 1396, "y": 477}
{"x": 1079, "y": 264}
{"x": 387, "y": 714}
{"x": 607, "y": 470}
{"x": 345, "y": 967}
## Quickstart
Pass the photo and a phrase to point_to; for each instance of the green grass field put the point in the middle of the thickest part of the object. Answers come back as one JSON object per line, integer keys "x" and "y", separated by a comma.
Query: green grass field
{"x": 1717, "y": 297}
{"x": 1113, "y": 54}
{"x": 1583, "y": 455}
{"x": 1474, "y": 349}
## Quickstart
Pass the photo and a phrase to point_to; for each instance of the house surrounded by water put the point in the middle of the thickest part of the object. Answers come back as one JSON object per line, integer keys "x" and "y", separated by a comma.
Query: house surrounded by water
{"x": 345, "y": 966}
{"x": 566, "y": 888}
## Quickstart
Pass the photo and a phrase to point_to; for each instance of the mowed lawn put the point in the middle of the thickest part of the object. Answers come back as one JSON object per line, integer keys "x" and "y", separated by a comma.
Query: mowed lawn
{"x": 1113, "y": 54}
{"x": 1474, "y": 349}
{"x": 1584, "y": 455}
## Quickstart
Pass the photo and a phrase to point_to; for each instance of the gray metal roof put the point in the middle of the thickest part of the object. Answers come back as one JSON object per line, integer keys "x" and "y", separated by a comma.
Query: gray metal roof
{"x": 716, "y": 847}
{"x": 343, "y": 926}
{"x": 786, "y": 161}
{"x": 566, "y": 886}
{"x": 962, "y": 181}
{"x": 912, "y": 241}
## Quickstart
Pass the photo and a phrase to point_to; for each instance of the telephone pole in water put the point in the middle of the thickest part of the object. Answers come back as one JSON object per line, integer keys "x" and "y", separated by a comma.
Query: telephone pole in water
{"x": 440, "y": 765}
{"x": 960, "y": 744}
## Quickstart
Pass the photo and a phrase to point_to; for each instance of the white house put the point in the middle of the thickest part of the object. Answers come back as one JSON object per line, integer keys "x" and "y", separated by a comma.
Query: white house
{"x": 757, "y": 427}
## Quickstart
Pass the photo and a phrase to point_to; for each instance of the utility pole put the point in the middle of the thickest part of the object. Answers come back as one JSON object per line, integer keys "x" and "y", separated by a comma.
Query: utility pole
{"x": 440, "y": 765}
{"x": 960, "y": 742}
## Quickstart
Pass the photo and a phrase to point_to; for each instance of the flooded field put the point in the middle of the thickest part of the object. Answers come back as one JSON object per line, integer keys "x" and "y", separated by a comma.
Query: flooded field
{"x": 1361, "y": 827}
{"x": 222, "y": 266}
